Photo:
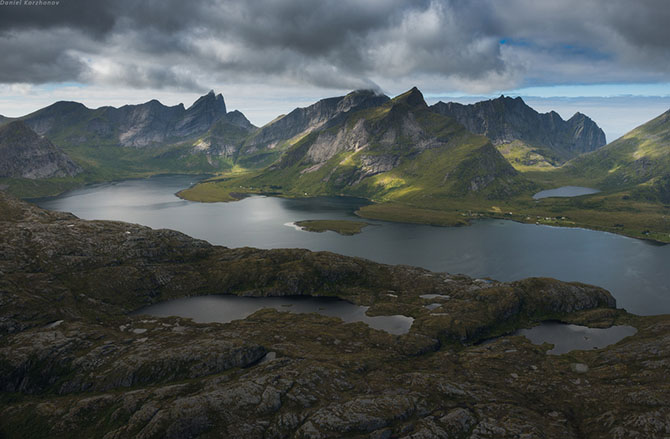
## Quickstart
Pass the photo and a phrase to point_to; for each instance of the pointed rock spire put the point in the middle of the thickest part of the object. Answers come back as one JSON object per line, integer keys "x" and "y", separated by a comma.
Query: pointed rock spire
{"x": 413, "y": 98}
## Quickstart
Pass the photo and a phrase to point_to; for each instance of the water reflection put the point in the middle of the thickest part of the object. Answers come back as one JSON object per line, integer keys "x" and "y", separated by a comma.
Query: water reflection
{"x": 224, "y": 309}
{"x": 635, "y": 271}
{"x": 566, "y": 338}
{"x": 566, "y": 191}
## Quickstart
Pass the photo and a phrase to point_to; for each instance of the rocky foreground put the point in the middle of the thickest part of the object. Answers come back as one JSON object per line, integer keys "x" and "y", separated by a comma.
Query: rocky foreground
{"x": 74, "y": 363}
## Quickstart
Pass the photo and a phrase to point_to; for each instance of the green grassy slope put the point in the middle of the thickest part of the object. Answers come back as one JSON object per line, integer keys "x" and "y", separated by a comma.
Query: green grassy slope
{"x": 639, "y": 157}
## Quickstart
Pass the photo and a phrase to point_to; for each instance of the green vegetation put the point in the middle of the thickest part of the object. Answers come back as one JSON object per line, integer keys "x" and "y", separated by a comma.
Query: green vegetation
{"x": 526, "y": 158}
{"x": 641, "y": 156}
{"x": 343, "y": 227}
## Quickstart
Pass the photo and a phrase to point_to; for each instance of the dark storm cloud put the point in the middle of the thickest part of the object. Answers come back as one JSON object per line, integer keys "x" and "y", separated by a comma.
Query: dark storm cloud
{"x": 335, "y": 44}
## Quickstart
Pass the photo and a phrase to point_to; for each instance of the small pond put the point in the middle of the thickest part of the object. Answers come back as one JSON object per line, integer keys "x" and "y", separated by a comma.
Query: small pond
{"x": 565, "y": 191}
{"x": 566, "y": 338}
{"x": 224, "y": 309}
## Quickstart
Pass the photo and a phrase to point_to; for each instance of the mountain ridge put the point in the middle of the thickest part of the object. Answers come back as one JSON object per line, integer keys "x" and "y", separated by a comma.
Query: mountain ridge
{"x": 271, "y": 139}
{"x": 137, "y": 125}
{"x": 505, "y": 120}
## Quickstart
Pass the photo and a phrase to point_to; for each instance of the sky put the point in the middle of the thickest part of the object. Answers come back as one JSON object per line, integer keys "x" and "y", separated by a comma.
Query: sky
{"x": 609, "y": 59}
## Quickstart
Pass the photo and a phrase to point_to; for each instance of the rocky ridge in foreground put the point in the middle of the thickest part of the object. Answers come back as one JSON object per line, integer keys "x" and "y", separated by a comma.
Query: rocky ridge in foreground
{"x": 74, "y": 360}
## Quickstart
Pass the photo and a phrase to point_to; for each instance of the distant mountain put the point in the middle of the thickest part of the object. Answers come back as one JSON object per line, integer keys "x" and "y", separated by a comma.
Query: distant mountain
{"x": 393, "y": 151}
{"x": 639, "y": 160}
{"x": 510, "y": 121}
{"x": 24, "y": 154}
{"x": 139, "y": 126}
{"x": 267, "y": 144}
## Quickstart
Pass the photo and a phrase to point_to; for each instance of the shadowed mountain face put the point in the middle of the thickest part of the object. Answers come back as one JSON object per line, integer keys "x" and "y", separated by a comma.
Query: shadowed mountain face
{"x": 266, "y": 144}
{"x": 505, "y": 120}
{"x": 24, "y": 154}
{"x": 143, "y": 125}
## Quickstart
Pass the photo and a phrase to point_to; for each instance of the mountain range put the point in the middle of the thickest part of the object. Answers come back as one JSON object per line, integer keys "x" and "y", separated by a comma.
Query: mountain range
{"x": 138, "y": 126}
{"x": 522, "y": 134}
{"x": 400, "y": 151}
{"x": 391, "y": 151}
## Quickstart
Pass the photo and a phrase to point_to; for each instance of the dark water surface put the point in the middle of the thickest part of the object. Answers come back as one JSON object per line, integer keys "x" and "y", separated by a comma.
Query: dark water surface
{"x": 224, "y": 309}
{"x": 636, "y": 272}
{"x": 566, "y": 338}
{"x": 565, "y": 191}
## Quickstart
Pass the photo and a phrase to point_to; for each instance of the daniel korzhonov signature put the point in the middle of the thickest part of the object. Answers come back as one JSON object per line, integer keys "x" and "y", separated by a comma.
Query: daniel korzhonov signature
{"x": 29, "y": 2}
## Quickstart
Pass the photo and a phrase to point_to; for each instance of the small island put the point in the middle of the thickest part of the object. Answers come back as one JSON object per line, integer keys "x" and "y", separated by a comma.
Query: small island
{"x": 343, "y": 227}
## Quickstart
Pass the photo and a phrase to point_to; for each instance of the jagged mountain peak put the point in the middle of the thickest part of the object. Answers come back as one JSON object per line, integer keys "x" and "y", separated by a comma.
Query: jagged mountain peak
{"x": 236, "y": 117}
{"x": 357, "y": 98}
{"x": 412, "y": 97}
{"x": 579, "y": 117}
{"x": 210, "y": 101}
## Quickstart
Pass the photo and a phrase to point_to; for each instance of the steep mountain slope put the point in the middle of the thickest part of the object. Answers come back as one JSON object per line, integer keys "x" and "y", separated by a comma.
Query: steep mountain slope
{"x": 397, "y": 151}
{"x": 639, "y": 159}
{"x": 139, "y": 126}
{"x": 526, "y": 137}
{"x": 24, "y": 154}
{"x": 267, "y": 144}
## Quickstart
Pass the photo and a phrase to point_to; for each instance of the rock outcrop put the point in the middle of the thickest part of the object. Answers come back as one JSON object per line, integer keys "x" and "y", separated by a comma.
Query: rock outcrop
{"x": 24, "y": 154}
{"x": 75, "y": 362}
{"x": 504, "y": 120}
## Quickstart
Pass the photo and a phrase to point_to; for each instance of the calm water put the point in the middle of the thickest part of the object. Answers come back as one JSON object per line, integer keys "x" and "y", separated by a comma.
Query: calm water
{"x": 224, "y": 309}
{"x": 636, "y": 272}
{"x": 565, "y": 191}
{"x": 566, "y": 338}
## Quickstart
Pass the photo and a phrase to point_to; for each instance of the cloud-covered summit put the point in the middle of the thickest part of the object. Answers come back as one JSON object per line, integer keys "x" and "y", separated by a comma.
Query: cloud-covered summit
{"x": 469, "y": 46}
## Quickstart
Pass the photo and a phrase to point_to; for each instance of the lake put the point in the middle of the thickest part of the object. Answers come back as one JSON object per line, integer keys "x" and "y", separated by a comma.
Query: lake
{"x": 224, "y": 309}
{"x": 635, "y": 271}
{"x": 565, "y": 191}
{"x": 566, "y": 338}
